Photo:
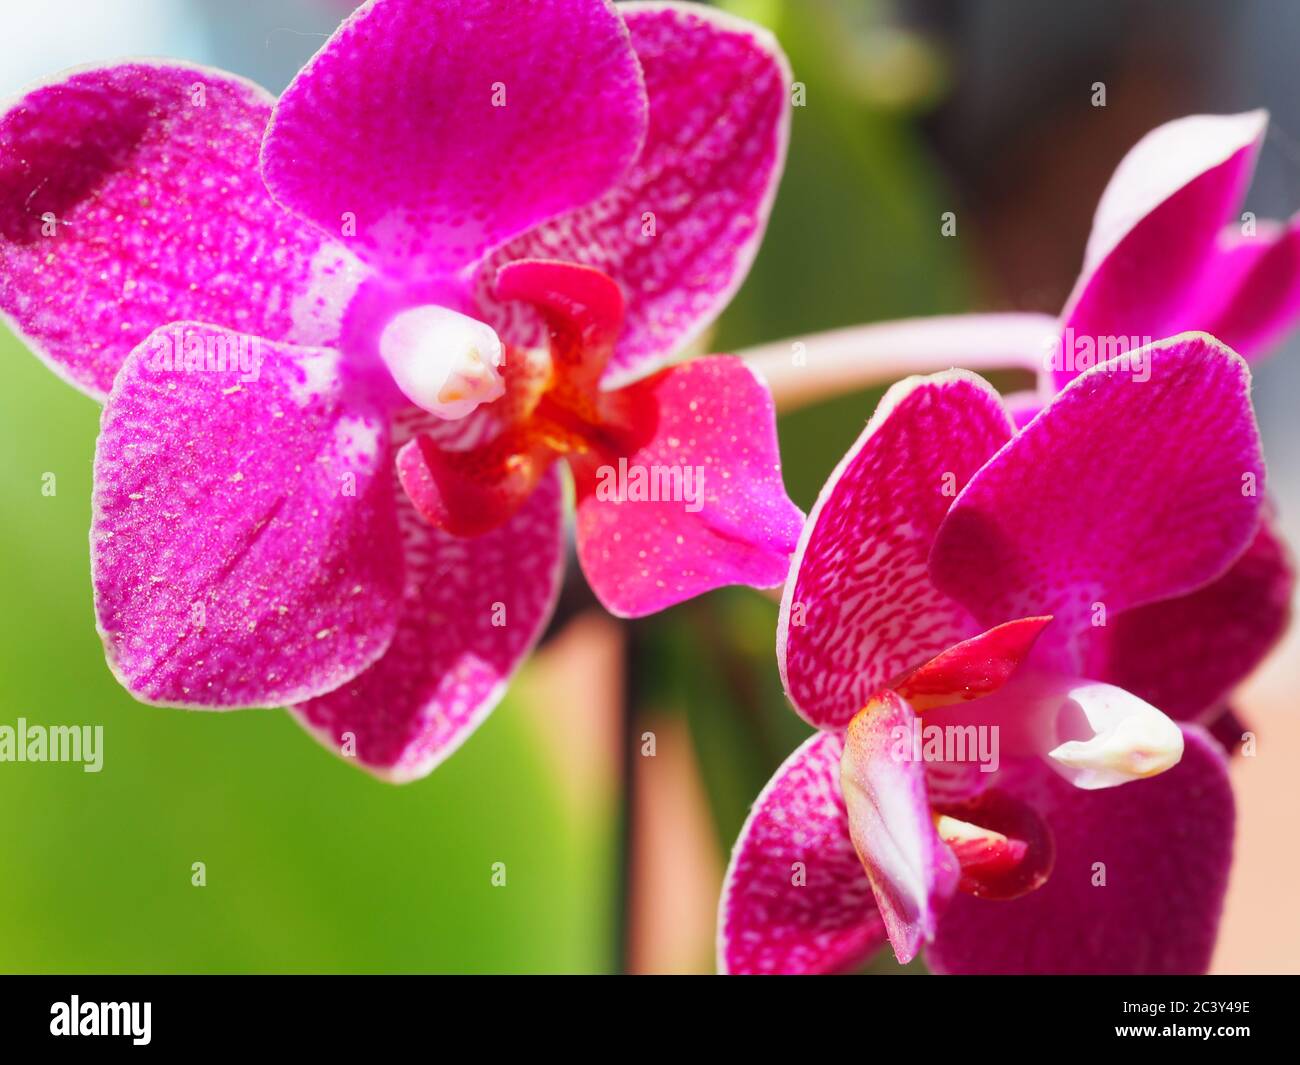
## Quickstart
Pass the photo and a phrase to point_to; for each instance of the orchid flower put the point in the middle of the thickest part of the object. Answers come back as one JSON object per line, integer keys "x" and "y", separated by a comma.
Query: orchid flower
{"x": 344, "y": 339}
{"x": 1068, "y": 591}
{"x": 1171, "y": 250}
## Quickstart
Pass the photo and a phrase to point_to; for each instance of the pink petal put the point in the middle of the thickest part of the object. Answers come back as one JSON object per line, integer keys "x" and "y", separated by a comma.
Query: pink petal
{"x": 795, "y": 900}
{"x": 859, "y": 609}
{"x": 474, "y": 609}
{"x": 1163, "y": 845}
{"x": 912, "y": 872}
{"x": 973, "y": 668}
{"x": 584, "y": 311}
{"x": 1122, "y": 492}
{"x": 1186, "y": 654}
{"x": 681, "y": 228}
{"x": 1023, "y": 406}
{"x": 714, "y": 429}
{"x": 1157, "y": 227}
{"x": 160, "y": 217}
{"x": 244, "y": 545}
{"x": 1249, "y": 293}
{"x": 394, "y": 122}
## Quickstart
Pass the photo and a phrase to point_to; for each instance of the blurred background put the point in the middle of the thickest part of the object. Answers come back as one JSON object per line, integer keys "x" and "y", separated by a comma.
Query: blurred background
{"x": 914, "y": 108}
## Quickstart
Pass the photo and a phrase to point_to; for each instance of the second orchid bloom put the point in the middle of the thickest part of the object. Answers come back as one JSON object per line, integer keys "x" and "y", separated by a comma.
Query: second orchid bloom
{"x": 1042, "y": 585}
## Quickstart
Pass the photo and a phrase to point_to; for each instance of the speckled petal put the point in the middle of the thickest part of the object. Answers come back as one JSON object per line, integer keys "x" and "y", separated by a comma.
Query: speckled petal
{"x": 1137, "y": 886}
{"x": 130, "y": 198}
{"x": 912, "y": 872}
{"x": 796, "y": 900}
{"x": 721, "y": 517}
{"x": 1156, "y": 230}
{"x": 859, "y": 610}
{"x": 1185, "y": 655}
{"x": 445, "y": 127}
{"x": 474, "y": 608}
{"x": 680, "y": 230}
{"x": 1124, "y": 491}
{"x": 244, "y": 544}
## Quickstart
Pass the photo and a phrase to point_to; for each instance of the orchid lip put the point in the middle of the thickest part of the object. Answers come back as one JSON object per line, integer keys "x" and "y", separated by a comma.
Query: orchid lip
{"x": 1003, "y": 846}
{"x": 1132, "y": 740}
{"x": 444, "y": 362}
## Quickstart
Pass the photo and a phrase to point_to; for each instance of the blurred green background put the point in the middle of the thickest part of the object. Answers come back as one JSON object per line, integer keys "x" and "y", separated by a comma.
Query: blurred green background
{"x": 312, "y": 866}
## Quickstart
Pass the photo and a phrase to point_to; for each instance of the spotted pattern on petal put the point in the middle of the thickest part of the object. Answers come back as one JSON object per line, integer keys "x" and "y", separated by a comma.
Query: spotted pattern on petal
{"x": 160, "y": 216}
{"x": 1129, "y": 488}
{"x": 472, "y": 610}
{"x": 712, "y": 418}
{"x": 767, "y": 923}
{"x": 448, "y": 126}
{"x": 681, "y": 228}
{"x": 861, "y": 609}
{"x": 244, "y": 547}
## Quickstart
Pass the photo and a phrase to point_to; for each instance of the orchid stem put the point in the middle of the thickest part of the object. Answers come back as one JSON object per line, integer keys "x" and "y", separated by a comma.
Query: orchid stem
{"x": 805, "y": 370}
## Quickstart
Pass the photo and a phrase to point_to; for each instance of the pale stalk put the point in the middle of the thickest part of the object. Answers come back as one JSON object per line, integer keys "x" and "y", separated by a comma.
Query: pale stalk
{"x": 808, "y": 369}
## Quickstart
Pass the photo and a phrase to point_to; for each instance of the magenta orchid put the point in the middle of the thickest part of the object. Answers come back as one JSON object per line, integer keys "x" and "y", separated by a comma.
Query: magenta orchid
{"x": 1070, "y": 591}
{"x": 344, "y": 338}
{"x": 1171, "y": 251}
